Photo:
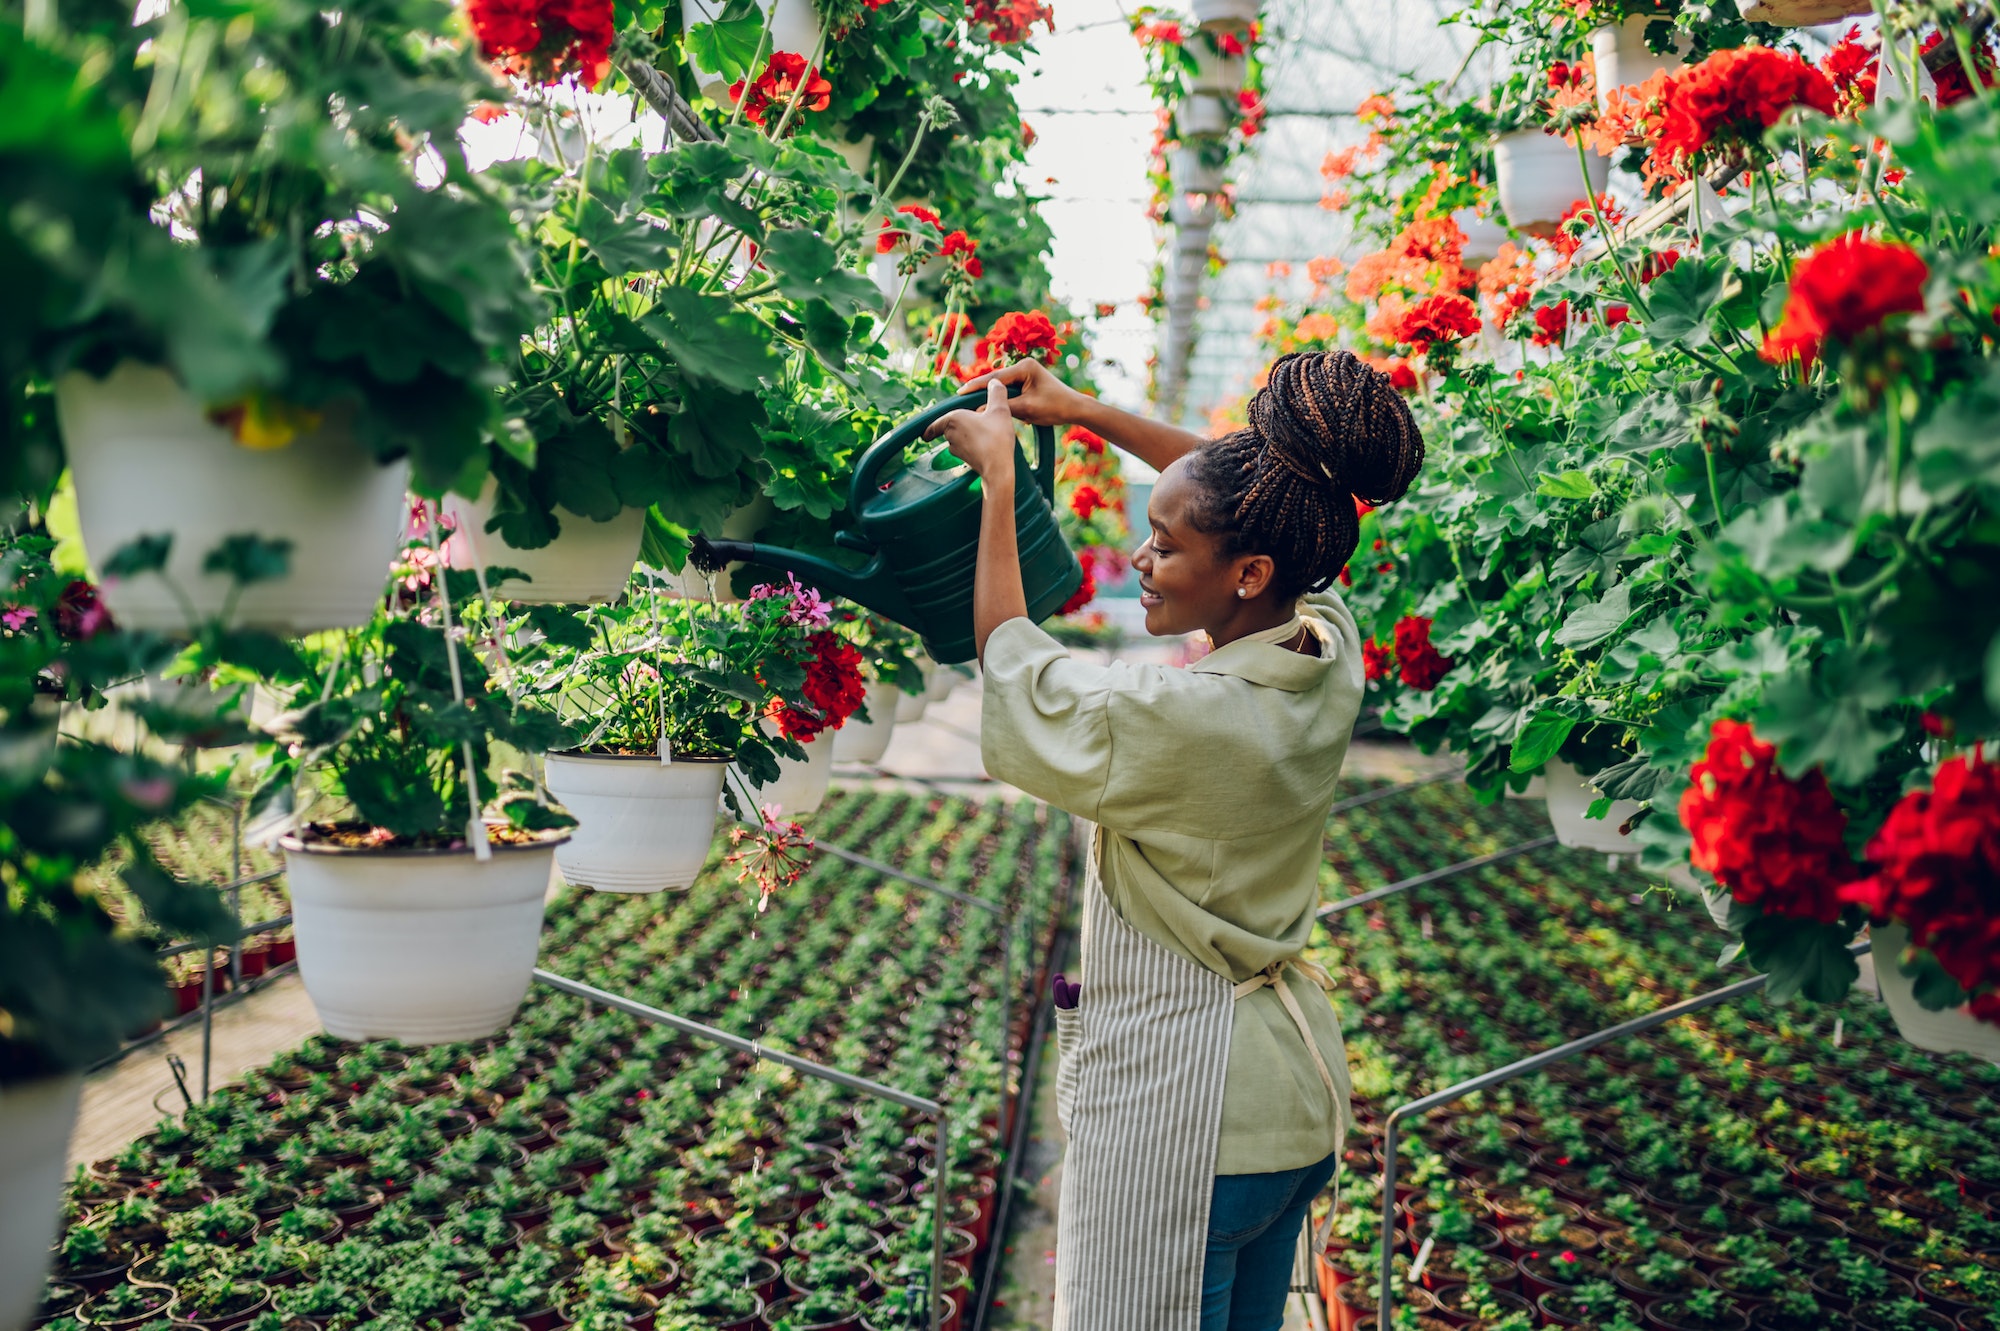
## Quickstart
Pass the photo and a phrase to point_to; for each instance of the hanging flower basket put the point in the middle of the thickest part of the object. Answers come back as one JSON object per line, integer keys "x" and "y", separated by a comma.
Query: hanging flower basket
{"x": 1483, "y": 236}
{"x": 642, "y": 825}
{"x": 801, "y": 785}
{"x": 1570, "y": 796}
{"x": 1204, "y": 116}
{"x": 910, "y": 707}
{"x": 939, "y": 681}
{"x": 1623, "y": 59}
{"x": 1225, "y": 13}
{"x": 866, "y": 741}
{"x": 1951, "y": 1031}
{"x": 147, "y": 461}
{"x": 587, "y": 561}
{"x": 421, "y": 946}
{"x": 1538, "y": 178}
{"x": 1800, "y": 13}
{"x": 35, "y": 1122}
{"x": 1217, "y": 73}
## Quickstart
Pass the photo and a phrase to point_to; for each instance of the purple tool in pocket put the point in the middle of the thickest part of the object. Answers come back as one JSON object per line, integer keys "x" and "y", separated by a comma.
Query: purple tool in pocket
{"x": 1067, "y": 991}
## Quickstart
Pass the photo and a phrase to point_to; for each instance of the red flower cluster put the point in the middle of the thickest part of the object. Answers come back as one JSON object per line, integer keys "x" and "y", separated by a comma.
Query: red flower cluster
{"x": 1086, "y": 500}
{"x": 1019, "y": 335}
{"x": 1251, "y": 106}
{"x": 1420, "y": 665}
{"x": 959, "y": 244}
{"x": 1086, "y": 592}
{"x": 1937, "y": 869}
{"x": 1552, "y": 324}
{"x": 1732, "y": 97}
{"x": 1579, "y": 221}
{"x": 1377, "y": 658}
{"x": 1088, "y": 440}
{"x": 1953, "y": 86}
{"x": 1775, "y": 843}
{"x": 778, "y": 84}
{"x": 1437, "y": 319}
{"x": 833, "y": 686}
{"x": 1164, "y": 32}
{"x": 1659, "y": 261}
{"x": 893, "y": 233}
{"x": 1011, "y": 22}
{"x": 1228, "y": 43}
{"x": 546, "y": 39}
{"x": 1843, "y": 289}
{"x": 1853, "y": 68}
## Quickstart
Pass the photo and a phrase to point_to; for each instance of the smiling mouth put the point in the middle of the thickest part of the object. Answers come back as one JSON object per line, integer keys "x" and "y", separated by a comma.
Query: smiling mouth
{"x": 1147, "y": 596}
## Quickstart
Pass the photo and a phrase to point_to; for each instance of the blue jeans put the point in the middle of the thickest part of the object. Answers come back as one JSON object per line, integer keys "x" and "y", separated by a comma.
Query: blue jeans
{"x": 1253, "y": 1233}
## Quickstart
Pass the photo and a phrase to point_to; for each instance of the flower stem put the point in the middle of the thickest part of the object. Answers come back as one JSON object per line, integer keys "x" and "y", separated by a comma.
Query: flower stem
{"x": 1604, "y": 227}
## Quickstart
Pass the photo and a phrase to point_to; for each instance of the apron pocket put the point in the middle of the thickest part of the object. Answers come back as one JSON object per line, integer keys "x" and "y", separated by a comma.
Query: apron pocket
{"x": 1067, "y": 1032}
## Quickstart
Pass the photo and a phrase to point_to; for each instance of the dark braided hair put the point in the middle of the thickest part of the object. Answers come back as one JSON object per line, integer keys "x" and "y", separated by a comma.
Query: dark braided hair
{"x": 1326, "y": 429}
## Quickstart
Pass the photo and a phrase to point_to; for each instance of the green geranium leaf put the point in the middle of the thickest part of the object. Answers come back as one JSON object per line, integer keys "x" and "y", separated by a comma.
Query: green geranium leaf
{"x": 712, "y": 339}
{"x": 728, "y": 45}
{"x": 1567, "y": 485}
{"x": 1593, "y": 623}
{"x": 1801, "y": 957}
{"x": 1682, "y": 299}
{"x": 249, "y": 558}
{"x": 142, "y": 554}
{"x": 624, "y": 245}
{"x": 1543, "y": 735}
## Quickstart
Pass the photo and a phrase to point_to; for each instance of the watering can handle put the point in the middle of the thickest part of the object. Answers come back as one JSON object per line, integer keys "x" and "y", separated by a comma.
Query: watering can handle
{"x": 890, "y": 447}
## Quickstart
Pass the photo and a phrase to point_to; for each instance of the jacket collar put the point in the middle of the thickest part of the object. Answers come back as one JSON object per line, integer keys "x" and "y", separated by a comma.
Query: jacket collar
{"x": 1270, "y": 664}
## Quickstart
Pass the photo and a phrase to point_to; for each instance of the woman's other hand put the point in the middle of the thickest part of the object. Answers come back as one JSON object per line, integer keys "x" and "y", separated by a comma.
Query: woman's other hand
{"x": 982, "y": 439}
{"x": 1044, "y": 399}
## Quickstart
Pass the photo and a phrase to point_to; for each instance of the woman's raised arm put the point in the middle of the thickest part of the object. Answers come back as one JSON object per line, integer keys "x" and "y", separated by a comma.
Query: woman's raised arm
{"x": 1047, "y": 400}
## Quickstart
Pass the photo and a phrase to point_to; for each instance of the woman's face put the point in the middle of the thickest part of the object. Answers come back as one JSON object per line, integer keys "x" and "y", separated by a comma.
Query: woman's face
{"x": 1185, "y": 584}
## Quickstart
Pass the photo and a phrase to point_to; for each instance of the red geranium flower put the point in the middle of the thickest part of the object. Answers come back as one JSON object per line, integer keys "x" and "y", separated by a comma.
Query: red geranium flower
{"x": 1659, "y": 261}
{"x": 1421, "y": 665}
{"x": 1843, "y": 289}
{"x": 1732, "y": 97}
{"x": 893, "y": 234}
{"x": 1251, "y": 104}
{"x": 1617, "y": 314}
{"x": 1437, "y": 319}
{"x": 1166, "y": 32}
{"x": 545, "y": 39}
{"x": 958, "y": 243}
{"x": 1401, "y": 378}
{"x": 1086, "y": 500}
{"x": 1937, "y": 869}
{"x": 1377, "y": 658}
{"x": 833, "y": 687}
{"x": 1086, "y": 592}
{"x": 778, "y": 84}
{"x": 1230, "y": 44}
{"x": 1775, "y": 843}
{"x": 1953, "y": 86}
{"x": 1579, "y": 221}
{"x": 1011, "y": 22}
{"x": 1088, "y": 440}
{"x": 1019, "y": 335}
{"x": 1551, "y": 324}
{"x": 1853, "y": 69}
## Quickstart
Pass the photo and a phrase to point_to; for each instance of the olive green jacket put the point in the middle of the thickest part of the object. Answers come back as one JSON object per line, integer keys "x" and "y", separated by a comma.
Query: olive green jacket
{"x": 1213, "y": 786}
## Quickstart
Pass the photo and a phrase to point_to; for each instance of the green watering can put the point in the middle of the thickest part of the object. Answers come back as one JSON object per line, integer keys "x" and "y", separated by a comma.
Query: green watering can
{"x": 919, "y": 523}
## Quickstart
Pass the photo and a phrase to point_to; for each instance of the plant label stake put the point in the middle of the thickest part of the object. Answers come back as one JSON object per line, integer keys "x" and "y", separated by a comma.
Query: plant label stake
{"x": 475, "y": 826}
{"x": 1426, "y": 925}
{"x": 1839, "y": 1029}
{"x": 1423, "y": 1256}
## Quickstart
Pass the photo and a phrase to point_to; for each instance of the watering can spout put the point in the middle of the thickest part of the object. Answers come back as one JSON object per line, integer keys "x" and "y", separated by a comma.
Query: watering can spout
{"x": 870, "y": 586}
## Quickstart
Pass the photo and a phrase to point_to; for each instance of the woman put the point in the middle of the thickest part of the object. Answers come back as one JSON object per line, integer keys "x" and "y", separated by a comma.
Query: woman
{"x": 1203, "y": 1084}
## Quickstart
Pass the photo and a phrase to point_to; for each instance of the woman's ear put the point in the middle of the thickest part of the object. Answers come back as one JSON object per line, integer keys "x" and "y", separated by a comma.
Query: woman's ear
{"x": 1253, "y": 575}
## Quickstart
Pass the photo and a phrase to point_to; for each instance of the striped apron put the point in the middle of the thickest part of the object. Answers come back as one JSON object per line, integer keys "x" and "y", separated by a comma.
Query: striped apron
{"x": 1142, "y": 1061}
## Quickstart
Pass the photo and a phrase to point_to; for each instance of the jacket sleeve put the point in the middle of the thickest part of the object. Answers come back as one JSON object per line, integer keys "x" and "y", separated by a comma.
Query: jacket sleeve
{"x": 1044, "y": 722}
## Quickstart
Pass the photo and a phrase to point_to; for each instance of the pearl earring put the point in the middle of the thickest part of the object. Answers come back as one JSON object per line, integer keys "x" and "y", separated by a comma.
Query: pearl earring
{"x": 1241, "y": 592}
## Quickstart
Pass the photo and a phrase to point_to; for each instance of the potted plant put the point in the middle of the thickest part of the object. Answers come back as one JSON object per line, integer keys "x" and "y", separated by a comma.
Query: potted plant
{"x": 418, "y": 899}
{"x": 888, "y": 653}
{"x": 268, "y": 371}
{"x": 833, "y": 690}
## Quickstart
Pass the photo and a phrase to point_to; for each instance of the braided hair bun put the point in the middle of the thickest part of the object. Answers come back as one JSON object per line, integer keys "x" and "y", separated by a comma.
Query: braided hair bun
{"x": 1325, "y": 430}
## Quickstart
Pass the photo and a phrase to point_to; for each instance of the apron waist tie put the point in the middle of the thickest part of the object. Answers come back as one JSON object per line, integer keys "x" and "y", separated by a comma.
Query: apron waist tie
{"x": 1271, "y": 975}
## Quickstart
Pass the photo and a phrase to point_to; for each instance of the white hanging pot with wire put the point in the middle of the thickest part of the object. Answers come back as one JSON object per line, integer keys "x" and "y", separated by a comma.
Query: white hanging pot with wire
{"x": 1800, "y": 13}
{"x": 866, "y": 741}
{"x": 36, "y": 1118}
{"x": 587, "y": 561}
{"x": 1950, "y": 1031}
{"x": 147, "y": 461}
{"x": 642, "y": 825}
{"x": 1217, "y": 73}
{"x": 801, "y": 785}
{"x": 1570, "y": 795}
{"x": 1538, "y": 178}
{"x": 421, "y": 946}
{"x": 1226, "y": 14}
{"x": 1624, "y": 60}
{"x": 1204, "y": 115}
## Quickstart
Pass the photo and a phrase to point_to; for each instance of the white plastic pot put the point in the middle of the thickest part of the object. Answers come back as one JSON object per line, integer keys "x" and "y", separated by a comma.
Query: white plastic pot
{"x": 1191, "y": 174}
{"x": 1483, "y": 236}
{"x": 587, "y": 561}
{"x": 1569, "y": 797}
{"x": 1193, "y": 211}
{"x": 801, "y": 786}
{"x": 866, "y": 741}
{"x": 1800, "y": 13}
{"x": 418, "y": 946}
{"x": 910, "y": 707}
{"x": 1225, "y": 13}
{"x": 795, "y": 27}
{"x": 1204, "y": 115}
{"x": 939, "y": 681}
{"x": 35, "y": 1122}
{"x": 147, "y": 462}
{"x": 1537, "y": 789}
{"x": 642, "y": 825}
{"x": 1623, "y": 59}
{"x": 1218, "y": 73}
{"x": 1952, "y": 1031}
{"x": 1538, "y": 178}
{"x": 859, "y": 155}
